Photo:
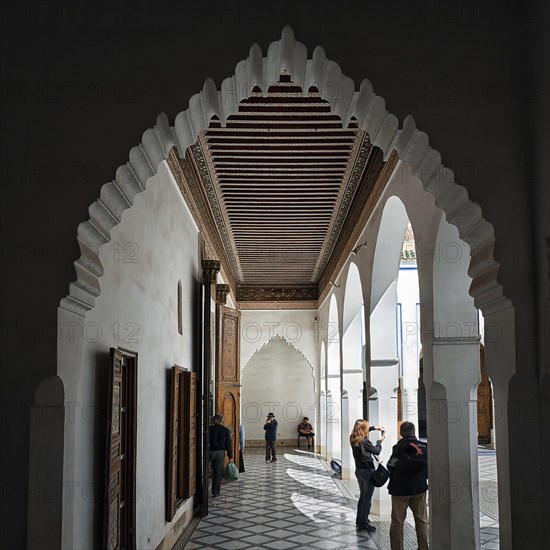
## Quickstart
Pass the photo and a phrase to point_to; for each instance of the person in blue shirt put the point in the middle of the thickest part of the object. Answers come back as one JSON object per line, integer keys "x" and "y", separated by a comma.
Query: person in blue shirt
{"x": 270, "y": 428}
{"x": 220, "y": 443}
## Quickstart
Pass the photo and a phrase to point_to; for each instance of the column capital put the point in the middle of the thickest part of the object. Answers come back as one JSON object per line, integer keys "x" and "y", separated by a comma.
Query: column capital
{"x": 221, "y": 294}
{"x": 210, "y": 268}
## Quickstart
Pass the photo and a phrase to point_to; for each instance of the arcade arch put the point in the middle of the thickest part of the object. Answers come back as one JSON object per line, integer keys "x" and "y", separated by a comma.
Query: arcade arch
{"x": 423, "y": 184}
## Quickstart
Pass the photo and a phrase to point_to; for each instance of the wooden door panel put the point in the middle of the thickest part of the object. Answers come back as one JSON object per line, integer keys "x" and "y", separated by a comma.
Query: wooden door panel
{"x": 182, "y": 445}
{"x": 190, "y": 436}
{"x": 173, "y": 440}
{"x": 484, "y": 405}
{"x": 113, "y": 473}
{"x": 228, "y": 376}
{"x": 193, "y": 435}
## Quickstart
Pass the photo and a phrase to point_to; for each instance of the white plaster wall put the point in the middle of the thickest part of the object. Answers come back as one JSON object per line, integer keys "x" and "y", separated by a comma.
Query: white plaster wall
{"x": 277, "y": 379}
{"x": 137, "y": 310}
{"x": 382, "y": 326}
{"x": 297, "y": 327}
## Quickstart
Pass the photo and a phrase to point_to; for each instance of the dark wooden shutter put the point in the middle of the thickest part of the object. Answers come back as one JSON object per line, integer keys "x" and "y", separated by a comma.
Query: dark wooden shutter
{"x": 113, "y": 474}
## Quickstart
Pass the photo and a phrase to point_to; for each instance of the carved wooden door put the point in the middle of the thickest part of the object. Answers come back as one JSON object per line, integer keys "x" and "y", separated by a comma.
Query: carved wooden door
{"x": 119, "y": 517}
{"x": 228, "y": 374}
{"x": 484, "y": 404}
{"x": 190, "y": 480}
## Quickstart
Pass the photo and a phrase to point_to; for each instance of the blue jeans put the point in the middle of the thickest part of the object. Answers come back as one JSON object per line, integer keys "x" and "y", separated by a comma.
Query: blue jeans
{"x": 366, "y": 489}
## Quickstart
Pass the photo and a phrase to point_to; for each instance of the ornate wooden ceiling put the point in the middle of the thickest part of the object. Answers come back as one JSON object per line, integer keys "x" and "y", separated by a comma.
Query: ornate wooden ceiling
{"x": 280, "y": 179}
{"x": 281, "y": 193}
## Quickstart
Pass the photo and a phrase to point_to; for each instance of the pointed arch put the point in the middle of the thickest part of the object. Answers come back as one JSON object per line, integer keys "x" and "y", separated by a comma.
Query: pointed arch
{"x": 256, "y": 73}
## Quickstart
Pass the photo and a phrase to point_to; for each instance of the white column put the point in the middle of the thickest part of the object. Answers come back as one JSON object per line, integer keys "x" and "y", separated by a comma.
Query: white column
{"x": 451, "y": 383}
{"x": 384, "y": 378}
{"x": 346, "y": 430}
{"x": 352, "y": 409}
{"x": 322, "y": 439}
{"x": 383, "y": 411}
{"x": 328, "y": 424}
{"x": 409, "y": 400}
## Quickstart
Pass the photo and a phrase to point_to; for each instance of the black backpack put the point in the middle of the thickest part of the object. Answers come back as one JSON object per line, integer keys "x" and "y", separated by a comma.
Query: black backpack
{"x": 336, "y": 465}
{"x": 412, "y": 460}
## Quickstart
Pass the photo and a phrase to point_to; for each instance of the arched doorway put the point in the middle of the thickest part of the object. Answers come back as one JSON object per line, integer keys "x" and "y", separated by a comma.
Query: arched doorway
{"x": 353, "y": 349}
{"x": 409, "y": 144}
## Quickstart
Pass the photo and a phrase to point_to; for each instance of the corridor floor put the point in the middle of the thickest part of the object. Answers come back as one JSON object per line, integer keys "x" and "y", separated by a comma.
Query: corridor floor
{"x": 293, "y": 503}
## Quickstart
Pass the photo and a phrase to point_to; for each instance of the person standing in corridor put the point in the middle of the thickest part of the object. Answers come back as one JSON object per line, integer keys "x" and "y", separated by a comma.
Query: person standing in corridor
{"x": 220, "y": 443}
{"x": 270, "y": 428}
{"x": 408, "y": 467}
{"x": 363, "y": 451}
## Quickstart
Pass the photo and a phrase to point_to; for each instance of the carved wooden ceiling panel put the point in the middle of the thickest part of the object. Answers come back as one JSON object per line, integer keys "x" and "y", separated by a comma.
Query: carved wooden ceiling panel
{"x": 280, "y": 178}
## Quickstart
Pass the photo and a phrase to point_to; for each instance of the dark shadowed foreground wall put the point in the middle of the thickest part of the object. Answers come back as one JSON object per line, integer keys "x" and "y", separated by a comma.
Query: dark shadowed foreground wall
{"x": 83, "y": 80}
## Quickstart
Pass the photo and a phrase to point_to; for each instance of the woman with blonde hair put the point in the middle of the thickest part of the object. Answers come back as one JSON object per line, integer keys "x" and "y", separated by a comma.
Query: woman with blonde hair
{"x": 363, "y": 450}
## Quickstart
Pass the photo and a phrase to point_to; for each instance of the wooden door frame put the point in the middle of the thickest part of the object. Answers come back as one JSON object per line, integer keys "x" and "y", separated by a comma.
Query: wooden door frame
{"x": 234, "y": 388}
{"x": 130, "y": 379}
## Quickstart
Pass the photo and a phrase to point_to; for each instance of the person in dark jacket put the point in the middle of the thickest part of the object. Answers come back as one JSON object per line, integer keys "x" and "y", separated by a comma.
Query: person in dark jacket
{"x": 363, "y": 451}
{"x": 220, "y": 443}
{"x": 270, "y": 428}
{"x": 408, "y": 467}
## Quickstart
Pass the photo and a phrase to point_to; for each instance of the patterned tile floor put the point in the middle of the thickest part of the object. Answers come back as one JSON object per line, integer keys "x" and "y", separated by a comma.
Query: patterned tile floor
{"x": 297, "y": 503}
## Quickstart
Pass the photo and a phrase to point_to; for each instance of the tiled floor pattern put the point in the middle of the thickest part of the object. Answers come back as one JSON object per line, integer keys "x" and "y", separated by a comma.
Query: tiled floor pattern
{"x": 297, "y": 503}
{"x": 293, "y": 503}
{"x": 488, "y": 499}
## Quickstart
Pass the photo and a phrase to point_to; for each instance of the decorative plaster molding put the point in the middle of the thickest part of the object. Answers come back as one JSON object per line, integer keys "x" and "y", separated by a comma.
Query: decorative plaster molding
{"x": 365, "y": 106}
{"x": 279, "y": 337}
{"x": 456, "y": 341}
{"x": 184, "y": 173}
{"x": 370, "y": 192}
{"x": 389, "y": 362}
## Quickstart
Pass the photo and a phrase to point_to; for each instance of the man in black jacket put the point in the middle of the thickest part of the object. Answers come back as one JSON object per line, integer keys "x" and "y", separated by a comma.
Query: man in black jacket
{"x": 220, "y": 443}
{"x": 408, "y": 467}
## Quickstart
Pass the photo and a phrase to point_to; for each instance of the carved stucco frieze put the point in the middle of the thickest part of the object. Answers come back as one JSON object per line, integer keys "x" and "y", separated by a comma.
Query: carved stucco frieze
{"x": 257, "y": 293}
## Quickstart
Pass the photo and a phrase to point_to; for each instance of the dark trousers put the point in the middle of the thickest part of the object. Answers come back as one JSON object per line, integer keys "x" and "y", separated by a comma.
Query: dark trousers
{"x": 366, "y": 490}
{"x": 241, "y": 462}
{"x": 270, "y": 453}
{"x": 218, "y": 460}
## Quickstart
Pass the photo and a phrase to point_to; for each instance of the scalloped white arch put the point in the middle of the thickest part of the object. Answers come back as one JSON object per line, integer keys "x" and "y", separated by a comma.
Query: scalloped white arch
{"x": 364, "y": 105}
{"x": 276, "y": 338}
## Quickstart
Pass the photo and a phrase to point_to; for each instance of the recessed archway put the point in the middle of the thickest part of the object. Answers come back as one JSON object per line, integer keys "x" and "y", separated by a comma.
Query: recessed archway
{"x": 277, "y": 378}
{"x": 353, "y": 349}
{"x": 411, "y": 145}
